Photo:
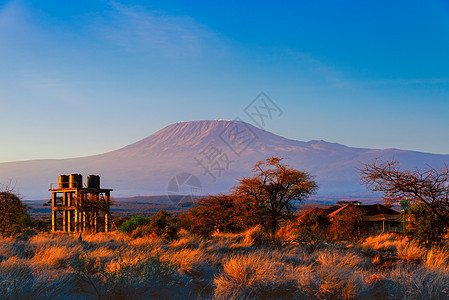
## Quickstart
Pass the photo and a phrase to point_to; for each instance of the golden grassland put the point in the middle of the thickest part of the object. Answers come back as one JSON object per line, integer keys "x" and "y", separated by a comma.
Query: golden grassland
{"x": 226, "y": 266}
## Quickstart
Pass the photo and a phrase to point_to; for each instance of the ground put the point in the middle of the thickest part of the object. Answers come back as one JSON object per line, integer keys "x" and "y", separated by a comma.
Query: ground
{"x": 226, "y": 266}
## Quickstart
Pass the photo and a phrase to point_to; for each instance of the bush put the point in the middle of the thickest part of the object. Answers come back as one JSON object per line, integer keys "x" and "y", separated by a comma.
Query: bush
{"x": 314, "y": 223}
{"x": 346, "y": 225}
{"x": 211, "y": 214}
{"x": 424, "y": 226}
{"x": 161, "y": 224}
{"x": 13, "y": 214}
{"x": 132, "y": 224}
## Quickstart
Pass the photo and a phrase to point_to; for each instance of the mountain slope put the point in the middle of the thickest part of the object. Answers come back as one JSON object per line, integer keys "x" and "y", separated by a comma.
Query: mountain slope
{"x": 226, "y": 149}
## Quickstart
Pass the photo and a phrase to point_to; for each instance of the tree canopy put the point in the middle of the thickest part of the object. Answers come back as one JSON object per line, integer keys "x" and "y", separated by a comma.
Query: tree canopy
{"x": 429, "y": 186}
{"x": 272, "y": 190}
{"x": 13, "y": 213}
{"x": 263, "y": 199}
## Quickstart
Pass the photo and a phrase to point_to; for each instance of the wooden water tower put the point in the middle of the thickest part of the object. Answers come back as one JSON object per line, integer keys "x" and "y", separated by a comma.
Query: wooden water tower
{"x": 77, "y": 208}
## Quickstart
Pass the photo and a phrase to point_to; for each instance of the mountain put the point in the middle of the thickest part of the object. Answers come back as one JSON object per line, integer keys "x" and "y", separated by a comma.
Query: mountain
{"x": 203, "y": 157}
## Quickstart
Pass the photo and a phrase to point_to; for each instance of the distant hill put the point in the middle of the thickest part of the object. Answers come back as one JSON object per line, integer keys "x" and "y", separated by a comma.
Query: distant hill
{"x": 216, "y": 153}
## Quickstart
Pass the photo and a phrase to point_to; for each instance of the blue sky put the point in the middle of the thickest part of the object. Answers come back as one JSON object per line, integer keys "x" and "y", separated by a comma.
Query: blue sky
{"x": 86, "y": 77}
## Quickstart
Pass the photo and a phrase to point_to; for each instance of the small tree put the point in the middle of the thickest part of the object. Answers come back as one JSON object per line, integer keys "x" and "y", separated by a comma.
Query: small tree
{"x": 313, "y": 222}
{"x": 13, "y": 213}
{"x": 218, "y": 213}
{"x": 163, "y": 224}
{"x": 424, "y": 226}
{"x": 133, "y": 223}
{"x": 347, "y": 224}
{"x": 430, "y": 187}
{"x": 268, "y": 196}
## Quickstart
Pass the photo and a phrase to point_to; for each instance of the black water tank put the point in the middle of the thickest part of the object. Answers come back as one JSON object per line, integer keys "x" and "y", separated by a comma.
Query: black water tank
{"x": 63, "y": 181}
{"x": 93, "y": 182}
{"x": 76, "y": 181}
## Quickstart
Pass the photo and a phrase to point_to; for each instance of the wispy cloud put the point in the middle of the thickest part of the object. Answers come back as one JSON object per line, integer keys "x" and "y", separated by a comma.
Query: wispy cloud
{"x": 139, "y": 30}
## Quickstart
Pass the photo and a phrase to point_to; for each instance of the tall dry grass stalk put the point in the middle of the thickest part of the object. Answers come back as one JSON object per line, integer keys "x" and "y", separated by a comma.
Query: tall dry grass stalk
{"x": 411, "y": 252}
{"x": 254, "y": 276}
{"x": 386, "y": 241}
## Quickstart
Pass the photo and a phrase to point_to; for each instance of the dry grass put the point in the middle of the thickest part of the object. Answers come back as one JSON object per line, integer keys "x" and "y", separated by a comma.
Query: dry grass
{"x": 411, "y": 252}
{"x": 248, "y": 265}
{"x": 386, "y": 241}
{"x": 254, "y": 276}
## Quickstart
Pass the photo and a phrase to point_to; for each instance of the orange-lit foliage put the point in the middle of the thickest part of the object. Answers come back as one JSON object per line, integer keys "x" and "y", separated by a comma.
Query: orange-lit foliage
{"x": 347, "y": 224}
{"x": 219, "y": 213}
{"x": 264, "y": 199}
{"x": 313, "y": 221}
{"x": 268, "y": 196}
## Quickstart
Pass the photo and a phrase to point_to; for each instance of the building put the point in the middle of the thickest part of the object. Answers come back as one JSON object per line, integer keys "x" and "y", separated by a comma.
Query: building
{"x": 375, "y": 218}
{"x": 77, "y": 208}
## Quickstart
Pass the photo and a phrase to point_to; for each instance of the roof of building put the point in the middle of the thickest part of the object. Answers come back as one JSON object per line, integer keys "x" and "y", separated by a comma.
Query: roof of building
{"x": 368, "y": 210}
{"x": 318, "y": 210}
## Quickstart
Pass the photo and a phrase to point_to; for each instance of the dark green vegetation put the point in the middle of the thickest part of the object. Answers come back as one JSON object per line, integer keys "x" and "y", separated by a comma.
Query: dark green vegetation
{"x": 424, "y": 226}
{"x": 13, "y": 213}
{"x": 161, "y": 224}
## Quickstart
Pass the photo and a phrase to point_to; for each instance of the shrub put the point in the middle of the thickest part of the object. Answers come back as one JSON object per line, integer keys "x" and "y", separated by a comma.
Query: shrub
{"x": 314, "y": 223}
{"x": 161, "y": 224}
{"x": 346, "y": 225}
{"x": 212, "y": 214}
{"x": 132, "y": 224}
{"x": 383, "y": 242}
{"x": 424, "y": 226}
{"x": 411, "y": 252}
{"x": 13, "y": 213}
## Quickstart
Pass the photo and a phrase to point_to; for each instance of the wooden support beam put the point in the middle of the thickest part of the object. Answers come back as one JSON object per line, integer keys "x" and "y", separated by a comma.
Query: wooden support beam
{"x": 96, "y": 222}
{"x": 76, "y": 225}
{"x": 53, "y": 213}
{"x": 64, "y": 212}
{"x": 63, "y": 208}
{"x": 84, "y": 221}
{"x": 53, "y": 220}
{"x": 106, "y": 215}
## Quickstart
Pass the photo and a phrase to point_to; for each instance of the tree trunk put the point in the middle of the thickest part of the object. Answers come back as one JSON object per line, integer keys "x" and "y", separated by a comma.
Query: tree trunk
{"x": 273, "y": 228}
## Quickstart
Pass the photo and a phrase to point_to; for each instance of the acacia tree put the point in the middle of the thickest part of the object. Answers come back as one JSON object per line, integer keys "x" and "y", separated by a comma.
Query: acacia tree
{"x": 268, "y": 196}
{"x": 13, "y": 213}
{"x": 218, "y": 213}
{"x": 430, "y": 186}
